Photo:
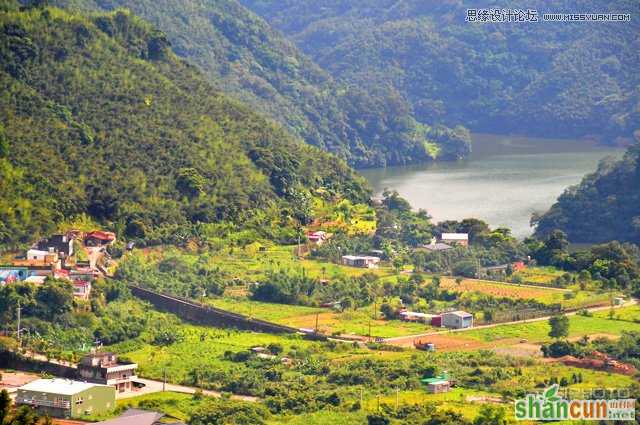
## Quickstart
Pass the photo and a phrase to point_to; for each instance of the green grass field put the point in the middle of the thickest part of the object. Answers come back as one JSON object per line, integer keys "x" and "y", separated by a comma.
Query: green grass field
{"x": 352, "y": 322}
{"x": 538, "y": 331}
{"x": 540, "y": 275}
{"x": 176, "y": 405}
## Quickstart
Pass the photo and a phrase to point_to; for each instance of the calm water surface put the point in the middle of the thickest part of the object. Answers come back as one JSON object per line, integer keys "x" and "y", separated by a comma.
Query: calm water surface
{"x": 505, "y": 180}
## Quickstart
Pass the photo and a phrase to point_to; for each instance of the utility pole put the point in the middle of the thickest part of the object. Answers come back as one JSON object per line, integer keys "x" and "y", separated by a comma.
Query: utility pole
{"x": 164, "y": 379}
{"x": 19, "y": 333}
{"x": 316, "y": 322}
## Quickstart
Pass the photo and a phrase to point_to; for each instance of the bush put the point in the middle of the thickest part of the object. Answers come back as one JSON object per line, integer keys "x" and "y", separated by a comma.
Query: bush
{"x": 466, "y": 268}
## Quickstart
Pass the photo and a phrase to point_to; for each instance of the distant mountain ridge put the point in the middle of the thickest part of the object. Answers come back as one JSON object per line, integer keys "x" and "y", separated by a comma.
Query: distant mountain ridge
{"x": 567, "y": 79}
{"x": 244, "y": 57}
{"x": 99, "y": 117}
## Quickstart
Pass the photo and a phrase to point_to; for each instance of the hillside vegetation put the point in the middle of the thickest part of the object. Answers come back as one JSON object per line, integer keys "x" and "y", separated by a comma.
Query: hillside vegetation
{"x": 244, "y": 57}
{"x": 566, "y": 79}
{"x": 101, "y": 119}
{"x": 604, "y": 206}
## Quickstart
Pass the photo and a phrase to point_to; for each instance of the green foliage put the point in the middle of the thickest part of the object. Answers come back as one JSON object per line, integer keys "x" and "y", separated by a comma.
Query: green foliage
{"x": 604, "y": 206}
{"x": 559, "y": 326}
{"x": 491, "y": 77}
{"x": 229, "y": 412}
{"x": 100, "y": 123}
{"x": 173, "y": 274}
{"x": 247, "y": 59}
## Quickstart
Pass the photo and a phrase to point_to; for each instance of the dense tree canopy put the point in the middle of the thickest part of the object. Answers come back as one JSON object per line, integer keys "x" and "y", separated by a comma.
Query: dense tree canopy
{"x": 247, "y": 59}
{"x": 536, "y": 78}
{"x": 101, "y": 118}
{"x": 604, "y": 206}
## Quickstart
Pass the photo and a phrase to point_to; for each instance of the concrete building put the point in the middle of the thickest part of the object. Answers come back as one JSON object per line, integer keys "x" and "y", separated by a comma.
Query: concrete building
{"x": 103, "y": 368}
{"x": 47, "y": 257}
{"x": 461, "y": 239}
{"x": 364, "y": 261}
{"x": 457, "y": 320}
{"x": 63, "y": 398}
{"x": 60, "y": 244}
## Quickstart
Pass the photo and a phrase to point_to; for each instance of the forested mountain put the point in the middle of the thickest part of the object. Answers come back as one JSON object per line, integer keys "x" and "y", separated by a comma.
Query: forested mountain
{"x": 605, "y": 206}
{"x": 101, "y": 118}
{"x": 244, "y": 57}
{"x": 555, "y": 79}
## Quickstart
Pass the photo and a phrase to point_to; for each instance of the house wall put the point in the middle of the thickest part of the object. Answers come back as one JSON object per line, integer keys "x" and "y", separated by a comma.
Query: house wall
{"x": 58, "y": 412}
{"x": 93, "y": 401}
{"x": 455, "y": 321}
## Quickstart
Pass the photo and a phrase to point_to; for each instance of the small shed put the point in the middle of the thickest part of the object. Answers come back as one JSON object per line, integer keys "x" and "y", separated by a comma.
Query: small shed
{"x": 437, "y": 384}
{"x": 457, "y": 320}
{"x": 365, "y": 261}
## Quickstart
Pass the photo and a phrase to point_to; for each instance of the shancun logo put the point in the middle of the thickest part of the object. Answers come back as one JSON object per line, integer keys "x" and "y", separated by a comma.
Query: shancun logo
{"x": 549, "y": 406}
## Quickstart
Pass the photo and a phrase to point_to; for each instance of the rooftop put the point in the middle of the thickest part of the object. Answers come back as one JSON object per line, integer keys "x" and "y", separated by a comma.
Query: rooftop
{"x": 58, "y": 386}
{"x": 456, "y": 236}
{"x": 135, "y": 417}
{"x": 460, "y": 313}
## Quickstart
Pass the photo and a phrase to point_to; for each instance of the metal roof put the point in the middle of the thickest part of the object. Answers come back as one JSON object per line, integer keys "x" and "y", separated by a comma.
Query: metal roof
{"x": 456, "y": 236}
{"x": 58, "y": 386}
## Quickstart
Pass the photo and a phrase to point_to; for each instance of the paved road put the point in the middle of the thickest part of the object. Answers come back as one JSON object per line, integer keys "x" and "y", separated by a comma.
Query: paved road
{"x": 151, "y": 386}
{"x": 400, "y": 340}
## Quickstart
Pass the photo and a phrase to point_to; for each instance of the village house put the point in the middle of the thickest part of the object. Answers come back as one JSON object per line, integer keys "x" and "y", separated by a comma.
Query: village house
{"x": 99, "y": 238}
{"x": 460, "y": 239}
{"x": 45, "y": 257}
{"x": 64, "y": 398}
{"x": 364, "y": 261}
{"x": 457, "y": 320}
{"x": 317, "y": 237}
{"x": 60, "y": 244}
{"x": 81, "y": 289}
{"x": 103, "y": 368}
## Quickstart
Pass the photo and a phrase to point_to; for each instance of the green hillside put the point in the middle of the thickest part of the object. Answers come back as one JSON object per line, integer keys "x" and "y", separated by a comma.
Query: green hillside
{"x": 566, "y": 79}
{"x": 244, "y": 57}
{"x": 100, "y": 118}
{"x": 605, "y": 206}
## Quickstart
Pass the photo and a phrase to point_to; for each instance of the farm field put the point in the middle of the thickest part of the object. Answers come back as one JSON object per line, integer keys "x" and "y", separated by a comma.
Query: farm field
{"x": 575, "y": 299}
{"x": 351, "y": 322}
{"x": 538, "y": 331}
{"x": 540, "y": 275}
{"x": 630, "y": 313}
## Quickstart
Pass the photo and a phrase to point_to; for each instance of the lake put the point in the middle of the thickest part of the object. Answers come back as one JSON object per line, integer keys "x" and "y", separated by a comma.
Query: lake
{"x": 503, "y": 182}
